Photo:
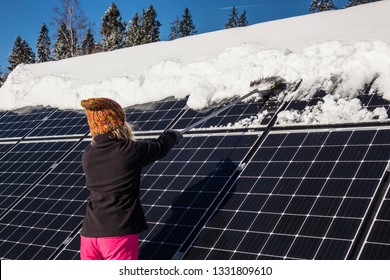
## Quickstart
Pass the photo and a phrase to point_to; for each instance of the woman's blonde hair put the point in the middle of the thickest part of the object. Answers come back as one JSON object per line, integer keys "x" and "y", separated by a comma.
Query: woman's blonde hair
{"x": 124, "y": 132}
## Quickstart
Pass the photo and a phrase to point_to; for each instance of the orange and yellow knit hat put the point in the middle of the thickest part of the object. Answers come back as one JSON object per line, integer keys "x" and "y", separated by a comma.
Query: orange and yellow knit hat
{"x": 103, "y": 114}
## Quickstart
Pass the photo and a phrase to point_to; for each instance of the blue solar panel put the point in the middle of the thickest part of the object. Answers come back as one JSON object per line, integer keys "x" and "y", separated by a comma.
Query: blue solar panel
{"x": 178, "y": 190}
{"x": 44, "y": 218}
{"x": 72, "y": 249}
{"x": 22, "y": 166}
{"x": 303, "y": 195}
{"x": 377, "y": 243}
{"x": 255, "y": 113}
{"x": 156, "y": 116}
{"x": 16, "y": 125}
{"x": 62, "y": 123}
{"x": 5, "y": 146}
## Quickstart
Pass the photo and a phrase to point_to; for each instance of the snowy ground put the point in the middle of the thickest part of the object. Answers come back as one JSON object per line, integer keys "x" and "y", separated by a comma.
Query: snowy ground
{"x": 338, "y": 51}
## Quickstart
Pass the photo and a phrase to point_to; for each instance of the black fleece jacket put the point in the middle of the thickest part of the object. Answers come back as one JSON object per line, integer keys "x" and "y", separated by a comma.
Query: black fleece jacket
{"x": 113, "y": 170}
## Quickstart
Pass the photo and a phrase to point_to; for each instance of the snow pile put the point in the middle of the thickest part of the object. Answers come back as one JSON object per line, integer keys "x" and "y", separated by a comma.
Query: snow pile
{"x": 344, "y": 68}
{"x": 333, "y": 109}
{"x": 337, "y": 51}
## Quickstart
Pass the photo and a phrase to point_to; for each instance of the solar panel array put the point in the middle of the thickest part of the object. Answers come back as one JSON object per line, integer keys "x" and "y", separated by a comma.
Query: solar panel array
{"x": 225, "y": 192}
{"x": 183, "y": 186}
{"x": 300, "y": 195}
{"x": 377, "y": 243}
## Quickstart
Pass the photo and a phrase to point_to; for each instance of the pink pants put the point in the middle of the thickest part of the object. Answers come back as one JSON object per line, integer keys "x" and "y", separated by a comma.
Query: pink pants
{"x": 123, "y": 247}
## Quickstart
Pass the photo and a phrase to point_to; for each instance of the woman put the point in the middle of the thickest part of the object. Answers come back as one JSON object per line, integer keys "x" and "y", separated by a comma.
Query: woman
{"x": 112, "y": 165}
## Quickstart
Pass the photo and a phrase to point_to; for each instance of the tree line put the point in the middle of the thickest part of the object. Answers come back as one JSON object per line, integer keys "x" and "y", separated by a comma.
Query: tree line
{"x": 327, "y": 5}
{"x": 74, "y": 36}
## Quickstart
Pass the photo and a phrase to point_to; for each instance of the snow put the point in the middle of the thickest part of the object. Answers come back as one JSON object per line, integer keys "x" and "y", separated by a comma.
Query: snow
{"x": 338, "y": 51}
{"x": 334, "y": 109}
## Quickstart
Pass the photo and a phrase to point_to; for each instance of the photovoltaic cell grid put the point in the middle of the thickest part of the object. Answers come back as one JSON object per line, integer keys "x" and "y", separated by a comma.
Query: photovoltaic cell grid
{"x": 237, "y": 113}
{"x": 19, "y": 124}
{"x": 62, "y": 123}
{"x": 3, "y": 113}
{"x": 373, "y": 101}
{"x": 173, "y": 213}
{"x": 177, "y": 191}
{"x": 71, "y": 250}
{"x": 154, "y": 116}
{"x": 24, "y": 165}
{"x": 302, "y": 196}
{"x": 47, "y": 216}
{"x": 377, "y": 245}
{"x": 5, "y": 146}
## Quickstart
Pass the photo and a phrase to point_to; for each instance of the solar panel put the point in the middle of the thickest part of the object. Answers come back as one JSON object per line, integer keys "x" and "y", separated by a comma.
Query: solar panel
{"x": 44, "y": 218}
{"x": 62, "y": 123}
{"x": 3, "y": 113}
{"x": 303, "y": 195}
{"x": 5, "y": 146}
{"x": 377, "y": 244}
{"x": 154, "y": 116}
{"x": 15, "y": 125}
{"x": 178, "y": 190}
{"x": 72, "y": 249}
{"x": 22, "y": 166}
{"x": 373, "y": 101}
{"x": 254, "y": 113}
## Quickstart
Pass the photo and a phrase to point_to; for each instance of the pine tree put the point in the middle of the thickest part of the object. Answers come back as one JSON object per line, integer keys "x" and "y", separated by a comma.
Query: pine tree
{"x": 352, "y": 3}
{"x": 3, "y": 77}
{"x": 43, "y": 45}
{"x": 242, "y": 21}
{"x": 113, "y": 29}
{"x": 150, "y": 26}
{"x": 28, "y": 52}
{"x": 88, "y": 44}
{"x": 321, "y": 5}
{"x": 233, "y": 19}
{"x": 175, "y": 29}
{"x": 134, "y": 35}
{"x": 21, "y": 53}
{"x": 186, "y": 26}
{"x": 74, "y": 44}
{"x": 61, "y": 45}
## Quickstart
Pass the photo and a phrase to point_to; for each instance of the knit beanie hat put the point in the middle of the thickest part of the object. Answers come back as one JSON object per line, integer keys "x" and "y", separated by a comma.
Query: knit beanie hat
{"x": 103, "y": 114}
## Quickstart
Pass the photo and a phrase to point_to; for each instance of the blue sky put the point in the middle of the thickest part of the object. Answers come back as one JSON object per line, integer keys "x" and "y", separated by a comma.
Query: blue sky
{"x": 25, "y": 17}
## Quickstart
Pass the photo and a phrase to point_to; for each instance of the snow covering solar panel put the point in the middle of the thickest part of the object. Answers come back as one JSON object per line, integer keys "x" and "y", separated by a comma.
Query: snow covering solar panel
{"x": 47, "y": 216}
{"x": 22, "y": 166}
{"x": 179, "y": 189}
{"x": 377, "y": 244}
{"x": 257, "y": 113}
{"x": 19, "y": 124}
{"x": 373, "y": 101}
{"x": 365, "y": 104}
{"x": 303, "y": 195}
{"x": 62, "y": 123}
{"x": 154, "y": 116}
